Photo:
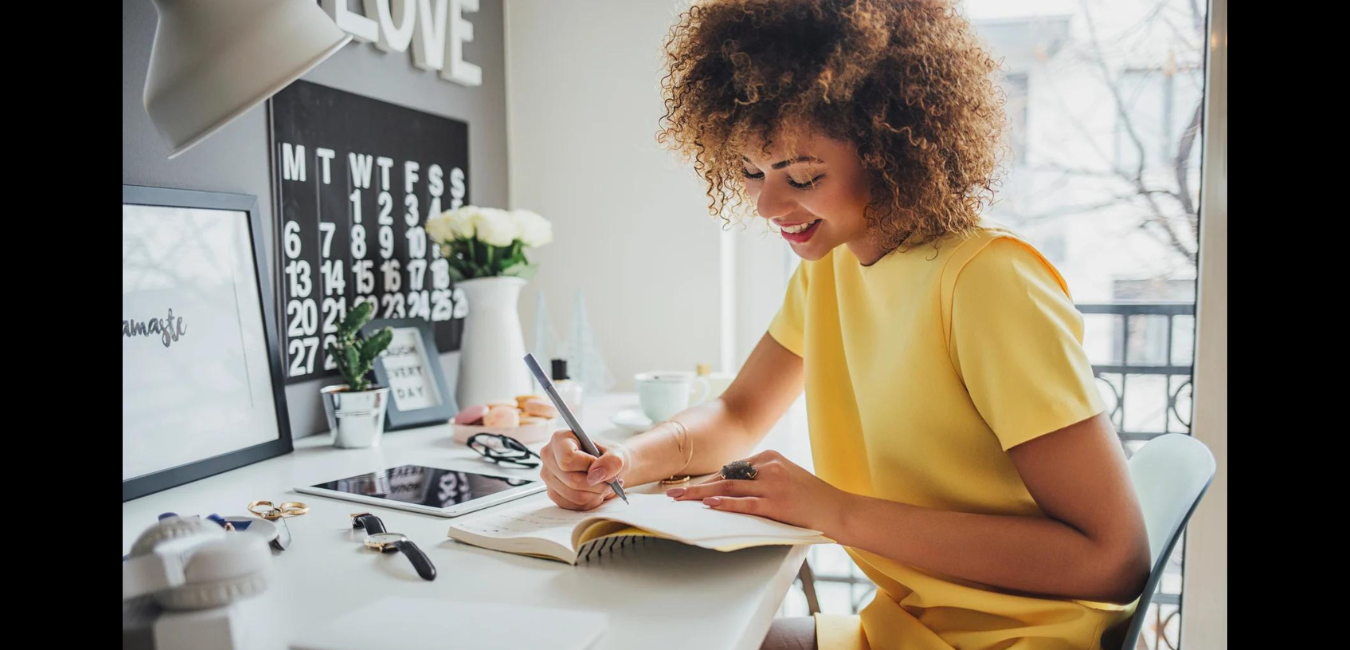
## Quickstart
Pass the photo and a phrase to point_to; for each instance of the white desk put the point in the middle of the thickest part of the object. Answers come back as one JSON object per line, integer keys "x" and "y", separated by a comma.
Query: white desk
{"x": 678, "y": 597}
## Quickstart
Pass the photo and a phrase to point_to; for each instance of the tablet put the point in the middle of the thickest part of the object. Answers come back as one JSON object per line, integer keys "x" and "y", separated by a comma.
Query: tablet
{"x": 428, "y": 490}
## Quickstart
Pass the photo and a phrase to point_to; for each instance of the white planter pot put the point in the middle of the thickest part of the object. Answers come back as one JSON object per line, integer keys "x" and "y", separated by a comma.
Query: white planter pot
{"x": 356, "y": 419}
{"x": 492, "y": 351}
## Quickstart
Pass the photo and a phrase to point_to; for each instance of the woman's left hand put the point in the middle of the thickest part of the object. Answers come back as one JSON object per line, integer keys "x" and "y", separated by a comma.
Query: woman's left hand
{"x": 781, "y": 491}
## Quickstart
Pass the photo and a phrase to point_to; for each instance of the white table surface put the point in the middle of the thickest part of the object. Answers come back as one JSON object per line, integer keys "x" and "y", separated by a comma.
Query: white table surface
{"x": 667, "y": 596}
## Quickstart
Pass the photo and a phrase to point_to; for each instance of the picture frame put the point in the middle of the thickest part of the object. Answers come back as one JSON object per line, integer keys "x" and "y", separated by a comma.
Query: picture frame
{"x": 419, "y": 395}
{"x": 202, "y": 385}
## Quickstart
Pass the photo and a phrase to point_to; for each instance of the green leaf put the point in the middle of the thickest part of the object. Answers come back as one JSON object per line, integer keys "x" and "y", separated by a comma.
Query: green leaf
{"x": 355, "y": 320}
{"x": 523, "y": 271}
{"x": 353, "y": 359}
{"x": 375, "y": 344}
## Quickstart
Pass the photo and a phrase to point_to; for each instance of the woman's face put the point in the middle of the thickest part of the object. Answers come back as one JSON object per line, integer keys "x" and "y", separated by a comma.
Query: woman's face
{"x": 814, "y": 194}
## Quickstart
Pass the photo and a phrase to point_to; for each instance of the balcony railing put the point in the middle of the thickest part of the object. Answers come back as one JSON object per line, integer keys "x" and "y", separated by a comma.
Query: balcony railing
{"x": 1145, "y": 339}
{"x": 1145, "y": 380}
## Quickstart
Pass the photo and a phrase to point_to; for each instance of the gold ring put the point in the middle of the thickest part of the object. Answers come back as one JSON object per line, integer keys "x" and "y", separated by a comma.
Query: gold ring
{"x": 271, "y": 513}
{"x": 293, "y": 508}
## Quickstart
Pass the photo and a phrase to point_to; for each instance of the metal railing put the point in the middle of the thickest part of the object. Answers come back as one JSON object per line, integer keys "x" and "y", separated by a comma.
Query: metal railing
{"x": 1115, "y": 375}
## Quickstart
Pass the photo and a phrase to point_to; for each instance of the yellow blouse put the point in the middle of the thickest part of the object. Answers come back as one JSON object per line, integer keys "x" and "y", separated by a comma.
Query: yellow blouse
{"x": 921, "y": 371}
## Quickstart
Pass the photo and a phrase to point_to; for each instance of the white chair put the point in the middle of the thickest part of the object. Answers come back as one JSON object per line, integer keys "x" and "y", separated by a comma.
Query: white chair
{"x": 1170, "y": 475}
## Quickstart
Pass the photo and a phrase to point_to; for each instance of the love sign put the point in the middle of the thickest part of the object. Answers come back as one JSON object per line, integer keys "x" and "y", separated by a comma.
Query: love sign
{"x": 436, "y": 30}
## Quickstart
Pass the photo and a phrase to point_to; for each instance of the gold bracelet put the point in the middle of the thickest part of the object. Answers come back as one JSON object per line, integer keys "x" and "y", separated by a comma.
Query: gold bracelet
{"x": 271, "y": 513}
{"x": 674, "y": 478}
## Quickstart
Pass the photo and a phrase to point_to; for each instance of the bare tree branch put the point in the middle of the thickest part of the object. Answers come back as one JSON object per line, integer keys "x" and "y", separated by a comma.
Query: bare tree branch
{"x": 1121, "y": 110}
{"x": 1159, "y": 218}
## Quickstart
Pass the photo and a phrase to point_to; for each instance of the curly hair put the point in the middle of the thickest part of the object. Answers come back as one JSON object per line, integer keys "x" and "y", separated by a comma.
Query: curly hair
{"x": 904, "y": 81}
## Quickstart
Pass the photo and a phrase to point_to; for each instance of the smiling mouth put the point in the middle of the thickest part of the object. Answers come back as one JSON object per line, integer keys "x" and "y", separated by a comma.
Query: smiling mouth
{"x": 797, "y": 228}
{"x": 799, "y": 233}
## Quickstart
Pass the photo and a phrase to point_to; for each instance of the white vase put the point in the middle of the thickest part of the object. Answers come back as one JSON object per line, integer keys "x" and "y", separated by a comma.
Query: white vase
{"x": 492, "y": 351}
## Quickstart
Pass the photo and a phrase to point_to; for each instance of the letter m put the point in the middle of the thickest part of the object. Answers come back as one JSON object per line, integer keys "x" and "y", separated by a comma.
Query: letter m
{"x": 293, "y": 162}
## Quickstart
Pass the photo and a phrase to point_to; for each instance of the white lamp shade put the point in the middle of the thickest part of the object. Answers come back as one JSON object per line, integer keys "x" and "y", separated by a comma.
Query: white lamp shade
{"x": 214, "y": 59}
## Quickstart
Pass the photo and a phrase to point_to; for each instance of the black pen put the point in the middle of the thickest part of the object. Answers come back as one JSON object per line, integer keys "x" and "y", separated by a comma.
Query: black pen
{"x": 571, "y": 420}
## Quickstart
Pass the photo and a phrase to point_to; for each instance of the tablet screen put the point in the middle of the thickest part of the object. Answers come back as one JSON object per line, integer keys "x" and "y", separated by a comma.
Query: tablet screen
{"x": 428, "y": 486}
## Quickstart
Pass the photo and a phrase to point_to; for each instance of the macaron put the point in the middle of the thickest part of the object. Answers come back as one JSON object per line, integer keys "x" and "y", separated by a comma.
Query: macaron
{"x": 472, "y": 414}
{"x": 502, "y": 416}
{"x": 540, "y": 408}
{"x": 521, "y": 399}
{"x": 529, "y": 420}
{"x": 502, "y": 402}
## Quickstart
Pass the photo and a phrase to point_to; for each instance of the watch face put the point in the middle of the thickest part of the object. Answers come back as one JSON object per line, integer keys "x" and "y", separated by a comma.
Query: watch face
{"x": 383, "y": 539}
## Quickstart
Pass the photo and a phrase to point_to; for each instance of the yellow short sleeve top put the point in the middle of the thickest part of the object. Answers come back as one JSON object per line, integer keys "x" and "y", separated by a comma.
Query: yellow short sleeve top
{"x": 922, "y": 370}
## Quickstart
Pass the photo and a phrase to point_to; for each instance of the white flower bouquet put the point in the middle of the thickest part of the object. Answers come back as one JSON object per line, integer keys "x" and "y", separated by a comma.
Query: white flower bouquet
{"x": 485, "y": 242}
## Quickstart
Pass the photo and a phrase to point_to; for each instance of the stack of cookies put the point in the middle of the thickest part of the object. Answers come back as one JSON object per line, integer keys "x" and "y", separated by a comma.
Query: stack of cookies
{"x": 527, "y": 418}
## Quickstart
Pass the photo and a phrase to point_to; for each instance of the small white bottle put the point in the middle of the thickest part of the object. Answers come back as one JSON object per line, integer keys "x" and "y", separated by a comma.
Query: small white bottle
{"x": 568, "y": 390}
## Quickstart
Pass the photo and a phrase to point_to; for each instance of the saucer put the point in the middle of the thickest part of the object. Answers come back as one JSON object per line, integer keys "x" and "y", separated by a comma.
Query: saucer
{"x": 632, "y": 419}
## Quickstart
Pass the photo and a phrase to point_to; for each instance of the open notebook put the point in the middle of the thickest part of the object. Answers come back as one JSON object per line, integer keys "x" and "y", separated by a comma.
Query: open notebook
{"x": 534, "y": 526}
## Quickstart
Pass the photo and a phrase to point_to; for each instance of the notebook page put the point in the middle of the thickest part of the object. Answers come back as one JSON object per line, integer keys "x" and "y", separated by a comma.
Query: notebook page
{"x": 537, "y": 518}
{"x": 683, "y": 520}
{"x": 693, "y": 521}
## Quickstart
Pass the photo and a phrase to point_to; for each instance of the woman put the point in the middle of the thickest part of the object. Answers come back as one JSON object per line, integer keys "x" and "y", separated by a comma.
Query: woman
{"x": 962, "y": 454}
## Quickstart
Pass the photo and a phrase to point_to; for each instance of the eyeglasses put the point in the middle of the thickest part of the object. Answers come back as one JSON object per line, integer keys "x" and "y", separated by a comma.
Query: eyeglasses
{"x": 503, "y": 450}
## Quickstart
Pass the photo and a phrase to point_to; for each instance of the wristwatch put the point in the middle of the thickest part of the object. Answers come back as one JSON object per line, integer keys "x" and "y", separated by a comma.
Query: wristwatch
{"x": 386, "y": 542}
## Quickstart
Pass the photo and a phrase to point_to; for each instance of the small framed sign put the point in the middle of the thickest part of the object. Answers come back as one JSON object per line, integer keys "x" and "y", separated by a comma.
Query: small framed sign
{"x": 411, "y": 368}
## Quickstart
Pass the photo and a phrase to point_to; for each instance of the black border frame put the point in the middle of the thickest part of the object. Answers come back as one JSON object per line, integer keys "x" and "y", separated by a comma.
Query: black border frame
{"x": 439, "y": 414}
{"x": 196, "y": 470}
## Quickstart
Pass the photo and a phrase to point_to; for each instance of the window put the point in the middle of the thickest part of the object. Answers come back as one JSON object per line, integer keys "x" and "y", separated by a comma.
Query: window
{"x": 1162, "y": 107}
{"x": 1015, "y": 90}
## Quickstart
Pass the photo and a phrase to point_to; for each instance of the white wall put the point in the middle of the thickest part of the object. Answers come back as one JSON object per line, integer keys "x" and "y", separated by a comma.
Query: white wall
{"x": 631, "y": 226}
{"x": 763, "y": 265}
{"x": 236, "y": 158}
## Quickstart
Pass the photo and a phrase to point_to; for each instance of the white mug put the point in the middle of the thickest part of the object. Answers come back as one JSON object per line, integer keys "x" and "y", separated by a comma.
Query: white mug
{"x": 666, "y": 392}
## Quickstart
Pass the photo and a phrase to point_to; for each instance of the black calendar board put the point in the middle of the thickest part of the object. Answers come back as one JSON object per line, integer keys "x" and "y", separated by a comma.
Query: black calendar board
{"x": 354, "y": 180}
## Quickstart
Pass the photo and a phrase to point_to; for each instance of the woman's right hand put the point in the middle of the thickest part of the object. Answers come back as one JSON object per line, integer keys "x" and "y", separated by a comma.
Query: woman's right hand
{"x": 577, "y": 480}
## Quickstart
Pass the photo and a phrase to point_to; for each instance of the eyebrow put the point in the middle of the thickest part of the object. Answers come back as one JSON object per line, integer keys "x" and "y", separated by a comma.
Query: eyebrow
{"x": 784, "y": 163}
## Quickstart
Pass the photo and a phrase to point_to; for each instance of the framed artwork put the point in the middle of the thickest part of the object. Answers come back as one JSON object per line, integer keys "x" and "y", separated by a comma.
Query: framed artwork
{"x": 411, "y": 368}
{"x": 202, "y": 384}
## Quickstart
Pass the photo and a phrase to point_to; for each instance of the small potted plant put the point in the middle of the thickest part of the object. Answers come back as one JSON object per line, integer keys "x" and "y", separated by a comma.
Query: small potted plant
{"x": 356, "y": 409}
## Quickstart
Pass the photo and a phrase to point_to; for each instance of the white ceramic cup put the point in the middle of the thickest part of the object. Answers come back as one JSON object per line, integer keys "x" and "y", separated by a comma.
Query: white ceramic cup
{"x": 664, "y": 393}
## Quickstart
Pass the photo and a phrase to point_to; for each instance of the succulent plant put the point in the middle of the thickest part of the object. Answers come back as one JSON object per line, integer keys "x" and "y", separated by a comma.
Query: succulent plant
{"x": 355, "y": 355}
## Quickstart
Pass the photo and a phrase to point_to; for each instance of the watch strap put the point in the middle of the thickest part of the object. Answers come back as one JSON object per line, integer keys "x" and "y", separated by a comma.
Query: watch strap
{"x": 420, "y": 561}
{"x": 283, "y": 538}
{"x": 371, "y": 523}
